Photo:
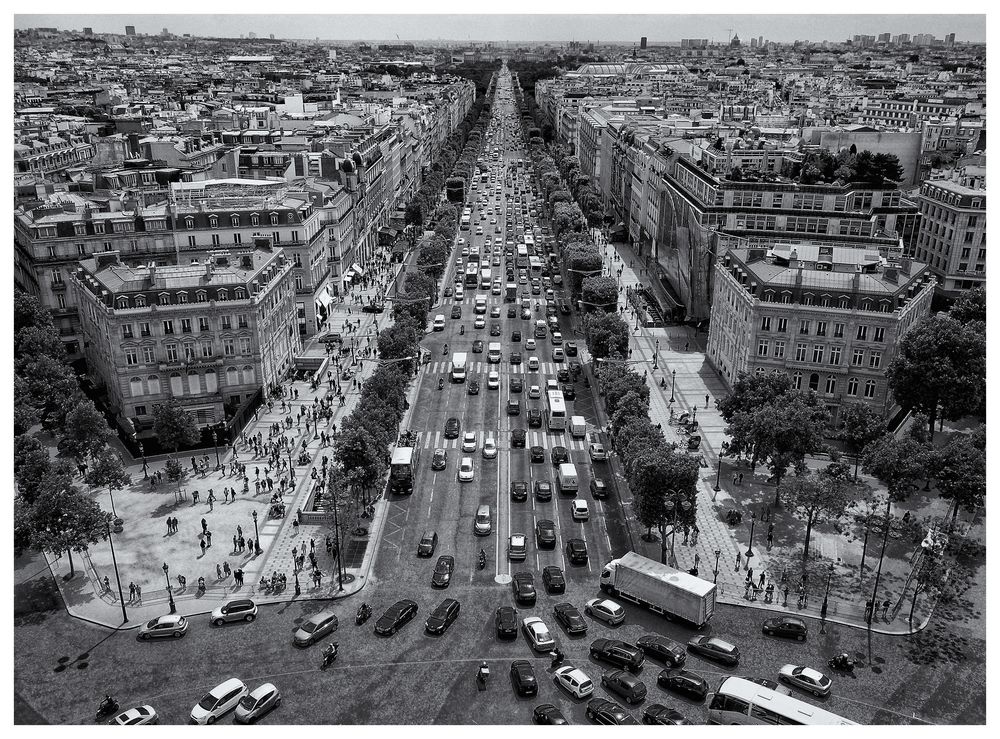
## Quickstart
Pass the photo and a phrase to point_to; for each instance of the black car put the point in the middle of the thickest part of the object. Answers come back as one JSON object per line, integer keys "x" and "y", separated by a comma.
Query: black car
{"x": 628, "y": 687}
{"x": 553, "y": 578}
{"x": 428, "y": 543}
{"x": 511, "y": 311}
{"x": 478, "y": 346}
{"x": 549, "y": 715}
{"x": 562, "y": 374}
{"x": 786, "y": 626}
{"x": 396, "y": 616}
{"x": 523, "y": 585}
{"x": 517, "y": 438}
{"x": 452, "y": 427}
{"x": 515, "y": 357}
{"x": 570, "y": 618}
{"x": 576, "y": 551}
{"x": 443, "y": 616}
{"x": 518, "y": 490}
{"x": 373, "y": 308}
{"x": 473, "y": 387}
{"x": 545, "y": 534}
{"x": 565, "y": 308}
{"x": 506, "y": 622}
{"x": 663, "y": 649}
{"x": 559, "y": 455}
{"x": 456, "y": 311}
{"x": 572, "y": 350}
{"x": 448, "y": 292}
{"x": 603, "y": 711}
{"x": 714, "y": 648}
{"x": 513, "y": 407}
{"x": 684, "y": 682}
{"x": 534, "y": 418}
{"x": 617, "y": 653}
{"x": 569, "y": 392}
{"x": 440, "y": 459}
{"x": 515, "y": 335}
{"x": 516, "y": 385}
{"x": 598, "y": 488}
{"x": 659, "y": 714}
{"x": 494, "y": 329}
{"x": 543, "y": 490}
{"x": 442, "y": 571}
{"x": 537, "y": 454}
{"x": 522, "y": 677}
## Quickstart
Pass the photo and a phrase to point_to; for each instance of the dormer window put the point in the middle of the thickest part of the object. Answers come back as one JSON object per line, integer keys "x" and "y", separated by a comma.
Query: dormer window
{"x": 213, "y": 221}
{"x": 240, "y": 293}
{"x": 123, "y": 302}
{"x": 222, "y": 295}
{"x": 182, "y": 297}
{"x": 189, "y": 222}
{"x": 254, "y": 219}
{"x": 234, "y": 221}
{"x": 140, "y": 301}
{"x": 164, "y": 298}
{"x": 201, "y": 296}
{"x": 274, "y": 219}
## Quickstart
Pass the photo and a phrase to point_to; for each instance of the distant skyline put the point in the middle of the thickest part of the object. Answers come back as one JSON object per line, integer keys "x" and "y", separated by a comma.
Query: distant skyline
{"x": 517, "y": 28}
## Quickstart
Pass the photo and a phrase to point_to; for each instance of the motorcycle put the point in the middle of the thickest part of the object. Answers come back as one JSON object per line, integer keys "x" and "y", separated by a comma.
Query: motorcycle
{"x": 461, "y": 330}
{"x": 445, "y": 352}
{"x": 482, "y": 559}
{"x": 330, "y": 654}
{"x": 107, "y": 707}
{"x": 683, "y": 418}
{"x": 441, "y": 384}
{"x": 364, "y": 613}
{"x": 842, "y": 662}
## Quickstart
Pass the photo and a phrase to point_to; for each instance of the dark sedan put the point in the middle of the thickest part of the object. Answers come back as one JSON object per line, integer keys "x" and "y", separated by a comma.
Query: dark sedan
{"x": 443, "y": 616}
{"x": 714, "y": 648}
{"x": 534, "y": 418}
{"x": 560, "y": 455}
{"x": 663, "y": 649}
{"x": 478, "y": 346}
{"x": 537, "y": 454}
{"x": 395, "y": 617}
{"x": 617, "y": 653}
{"x": 516, "y": 385}
{"x": 630, "y": 688}
{"x": 570, "y": 618}
{"x": 513, "y": 407}
{"x": 789, "y": 627}
{"x": 523, "y": 585}
{"x": 603, "y": 711}
{"x": 545, "y": 534}
{"x": 549, "y": 715}
{"x": 452, "y": 427}
{"x": 473, "y": 387}
{"x": 576, "y": 551}
{"x": 506, "y": 622}
{"x": 659, "y": 714}
{"x": 518, "y": 489}
{"x": 443, "y": 571}
{"x": 572, "y": 349}
{"x": 554, "y": 580}
{"x": 515, "y": 357}
{"x": 456, "y": 312}
{"x": 684, "y": 682}
{"x": 518, "y": 438}
{"x": 543, "y": 490}
{"x": 515, "y": 336}
{"x": 440, "y": 459}
{"x": 373, "y": 308}
{"x": 569, "y": 392}
{"x": 562, "y": 374}
{"x": 522, "y": 677}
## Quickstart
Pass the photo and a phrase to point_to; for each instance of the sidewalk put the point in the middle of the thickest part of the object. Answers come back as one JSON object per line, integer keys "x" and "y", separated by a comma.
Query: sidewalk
{"x": 143, "y": 547}
{"x": 690, "y": 384}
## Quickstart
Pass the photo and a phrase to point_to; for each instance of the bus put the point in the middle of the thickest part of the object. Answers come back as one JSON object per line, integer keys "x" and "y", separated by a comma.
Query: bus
{"x": 529, "y": 243}
{"x": 742, "y": 701}
{"x": 555, "y": 407}
{"x": 402, "y": 470}
{"x": 535, "y": 266}
{"x": 471, "y": 275}
{"x": 466, "y": 223}
{"x": 522, "y": 256}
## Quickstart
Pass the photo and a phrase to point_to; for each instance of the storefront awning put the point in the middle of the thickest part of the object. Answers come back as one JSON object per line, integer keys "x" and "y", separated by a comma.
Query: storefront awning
{"x": 349, "y": 275}
{"x": 325, "y": 298}
{"x": 355, "y": 268}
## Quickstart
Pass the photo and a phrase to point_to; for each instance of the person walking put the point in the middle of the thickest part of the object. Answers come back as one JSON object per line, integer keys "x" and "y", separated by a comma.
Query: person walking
{"x": 204, "y": 525}
{"x": 208, "y": 535}
{"x": 138, "y": 594}
{"x": 760, "y": 584}
{"x": 225, "y": 568}
{"x": 204, "y": 546}
{"x": 236, "y": 544}
{"x": 885, "y": 609}
{"x": 741, "y": 479}
{"x": 739, "y": 559}
{"x": 770, "y": 536}
{"x": 243, "y": 543}
{"x": 218, "y": 571}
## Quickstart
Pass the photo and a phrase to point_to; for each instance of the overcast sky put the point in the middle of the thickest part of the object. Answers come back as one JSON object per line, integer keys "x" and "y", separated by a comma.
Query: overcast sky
{"x": 617, "y": 28}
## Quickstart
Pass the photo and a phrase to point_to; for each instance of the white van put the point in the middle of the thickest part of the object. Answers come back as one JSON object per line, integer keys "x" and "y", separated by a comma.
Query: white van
{"x": 484, "y": 521}
{"x": 578, "y": 427}
{"x": 439, "y": 322}
{"x": 567, "y": 479}
{"x": 480, "y": 304}
{"x": 493, "y": 354}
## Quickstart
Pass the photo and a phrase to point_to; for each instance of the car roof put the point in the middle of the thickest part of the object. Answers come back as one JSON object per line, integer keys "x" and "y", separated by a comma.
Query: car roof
{"x": 224, "y": 687}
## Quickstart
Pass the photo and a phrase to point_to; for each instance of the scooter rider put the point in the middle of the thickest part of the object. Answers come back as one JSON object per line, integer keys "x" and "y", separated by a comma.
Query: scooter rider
{"x": 445, "y": 349}
{"x": 330, "y": 653}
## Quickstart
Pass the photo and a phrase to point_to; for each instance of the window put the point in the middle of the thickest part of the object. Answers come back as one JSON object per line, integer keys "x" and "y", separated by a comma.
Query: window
{"x": 835, "y": 355}
{"x": 148, "y": 355}
{"x": 189, "y": 352}
{"x": 168, "y": 327}
{"x": 185, "y": 325}
{"x": 237, "y": 238}
{"x": 240, "y": 293}
{"x": 838, "y": 330}
{"x": 862, "y": 333}
{"x": 189, "y": 222}
{"x": 800, "y": 352}
{"x": 782, "y": 325}
{"x": 874, "y": 360}
{"x": 206, "y": 349}
{"x": 821, "y": 328}
{"x": 213, "y": 221}
{"x": 765, "y": 323}
{"x": 242, "y": 320}
{"x": 831, "y": 384}
{"x": 814, "y": 381}
{"x": 164, "y": 298}
{"x": 879, "y": 334}
{"x": 144, "y": 329}
{"x": 298, "y": 282}
{"x": 171, "y": 350}
{"x": 222, "y": 295}
{"x": 245, "y": 345}
{"x": 797, "y": 380}
{"x": 215, "y": 240}
{"x": 870, "y": 389}
{"x": 201, "y": 296}
{"x": 844, "y": 303}
{"x": 234, "y": 221}
{"x": 131, "y": 356}
{"x": 274, "y": 219}
{"x": 762, "y": 347}
{"x": 818, "y": 350}
{"x": 229, "y": 347}
{"x": 127, "y": 331}
{"x": 803, "y": 327}
{"x": 136, "y": 387}
{"x": 254, "y": 219}
{"x": 779, "y": 349}
{"x": 202, "y": 323}
{"x": 227, "y": 322}
{"x": 140, "y": 410}
{"x": 858, "y": 358}
{"x": 852, "y": 387}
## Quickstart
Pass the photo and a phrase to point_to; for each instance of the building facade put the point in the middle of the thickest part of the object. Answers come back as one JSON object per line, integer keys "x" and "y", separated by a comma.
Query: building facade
{"x": 952, "y": 238}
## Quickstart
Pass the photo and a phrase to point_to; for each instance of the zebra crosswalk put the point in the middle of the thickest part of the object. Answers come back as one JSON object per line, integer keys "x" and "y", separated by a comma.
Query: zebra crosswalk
{"x": 535, "y": 437}
{"x": 504, "y": 368}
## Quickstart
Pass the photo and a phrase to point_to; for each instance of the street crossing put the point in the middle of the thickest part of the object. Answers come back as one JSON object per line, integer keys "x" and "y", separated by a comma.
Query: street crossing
{"x": 535, "y": 437}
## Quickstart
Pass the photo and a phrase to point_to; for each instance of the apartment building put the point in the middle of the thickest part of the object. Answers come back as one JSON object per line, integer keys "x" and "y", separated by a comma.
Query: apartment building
{"x": 952, "y": 237}
{"x": 210, "y": 333}
{"x": 828, "y": 316}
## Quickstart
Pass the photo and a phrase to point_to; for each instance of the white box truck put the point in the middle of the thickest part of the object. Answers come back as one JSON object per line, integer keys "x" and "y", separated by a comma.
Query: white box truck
{"x": 672, "y": 593}
{"x": 567, "y": 479}
{"x": 458, "y": 364}
{"x": 578, "y": 427}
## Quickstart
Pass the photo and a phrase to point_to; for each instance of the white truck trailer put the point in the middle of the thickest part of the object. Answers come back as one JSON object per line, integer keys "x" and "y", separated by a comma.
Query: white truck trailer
{"x": 674, "y": 594}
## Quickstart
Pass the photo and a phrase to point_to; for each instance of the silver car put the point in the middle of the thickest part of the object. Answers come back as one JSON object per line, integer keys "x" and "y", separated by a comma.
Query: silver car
{"x": 173, "y": 626}
{"x": 242, "y": 609}
{"x": 316, "y": 627}
{"x": 254, "y": 705}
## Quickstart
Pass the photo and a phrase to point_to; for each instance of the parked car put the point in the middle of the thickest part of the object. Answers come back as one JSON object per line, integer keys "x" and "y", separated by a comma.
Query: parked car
{"x": 443, "y": 571}
{"x": 574, "y": 681}
{"x": 547, "y": 714}
{"x": 395, "y": 617}
{"x": 663, "y": 649}
{"x": 617, "y": 653}
{"x": 138, "y": 716}
{"x": 807, "y": 679}
{"x": 603, "y": 711}
{"x": 256, "y": 704}
{"x": 537, "y": 634}
{"x": 656, "y": 713}
{"x": 714, "y": 648}
{"x": 570, "y": 618}
{"x": 443, "y": 616}
{"x": 242, "y": 609}
{"x": 786, "y": 626}
{"x": 686, "y": 683}
{"x": 172, "y": 625}
{"x": 315, "y": 628}
{"x": 219, "y": 701}
{"x": 554, "y": 580}
{"x": 505, "y": 621}
{"x": 522, "y": 677}
{"x": 605, "y": 610}
{"x": 630, "y": 688}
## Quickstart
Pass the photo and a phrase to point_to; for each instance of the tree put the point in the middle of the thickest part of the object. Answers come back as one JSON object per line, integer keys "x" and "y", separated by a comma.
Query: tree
{"x": 174, "y": 426}
{"x": 862, "y": 425}
{"x": 813, "y": 497}
{"x": 52, "y": 385}
{"x": 959, "y": 468}
{"x": 600, "y": 294}
{"x": 32, "y": 466}
{"x": 387, "y": 384}
{"x": 662, "y": 477}
{"x": 970, "y": 306}
{"x": 26, "y": 412}
{"x": 897, "y": 462}
{"x": 940, "y": 369}
{"x": 398, "y": 341}
{"x": 631, "y": 405}
{"x": 750, "y": 391}
{"x": 582, "y": 260}
{"x": 870, "y": 506}
{"x": 62, "y": 519}
{"x": 85, "y": 431}
{"x": 107, "y": 470}
{"x": 786, "y": 431}
{"x": 606, "y": 334}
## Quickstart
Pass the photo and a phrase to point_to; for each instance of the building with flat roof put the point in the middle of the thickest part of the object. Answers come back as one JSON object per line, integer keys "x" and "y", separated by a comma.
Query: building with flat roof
{"x": 829, "y": 316}
{"x": 952, "y": 237}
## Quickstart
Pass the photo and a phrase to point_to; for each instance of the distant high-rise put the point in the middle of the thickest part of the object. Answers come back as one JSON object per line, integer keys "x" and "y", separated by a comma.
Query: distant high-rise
{"x": 130, "y": 30}
{"x": 949, "y": 40}
{"x": 883, "y": 38}
{"x": 753, "y": 42}
{"x": 642, "y": 42}
{"x": 164, "y": 32}
{"x": 88, "y": 31}
{"x": 760, "y": 41}
{"x": 735, "y": 41}
{"x": 272, "y": 36}
{"x": 694, "y": 43}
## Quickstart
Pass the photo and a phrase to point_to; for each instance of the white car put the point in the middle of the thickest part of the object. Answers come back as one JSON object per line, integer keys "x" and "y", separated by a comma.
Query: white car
{"x": 480, "y": 322}
{"x": 558, "y": 355}
{"x": 469, "y": 442}
{"x": 490, "y": 448}
{"x": 466, "y": 473}
{"x": 574, "y": 681}
{"x": 136, "y": 717}
{"x": 538, "y": 634}
{"x": 493, "y": 380}
{"x": 551, "y": 384}
{"x": 219, "y": 701}
{"x": 517, "y": 547}
{"x": 581, "y": 511}
{"x": 598, "y": 453}
{"x": 806, "y": 678}
{"x": 256, "y": 704}
{"x": 534, "y": 392}
{"x": 529, "y": 344}
{"x": 557, "y": 337}
{"x": 533, "y": 364}
{"x": 606, "y": 610}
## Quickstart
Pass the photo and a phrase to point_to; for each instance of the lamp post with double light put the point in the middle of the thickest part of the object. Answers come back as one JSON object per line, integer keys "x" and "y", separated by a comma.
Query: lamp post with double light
{"x": 256, "y": 535}
{"x": 170, "y": 592}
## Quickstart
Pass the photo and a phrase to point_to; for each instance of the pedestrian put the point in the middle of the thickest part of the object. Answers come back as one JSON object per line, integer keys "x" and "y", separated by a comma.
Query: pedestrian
{"x": 746, "y": 590}
{"x": 243, "y": 543}
{"x": 769, "y": 593}
{"x": 107, "y": 584}
{"x": 802, "y": 596}
{"x": 208, "y": 535}
{"x": 735, "y": 477}
{"x": 236, "y": 543}
{"x": 131, "y": 592}
{"x": 168, "y": 526}
{"x": 761, "y": 583}
{"x": 868, "y": 611}
{"x": 218, "y": 571}
{"x": 885, "y": 609}
{"x": 250, "y": 543}
{"x": 194, "y": 497}
{"x": 694, "y": 536}
{"x": 225, "y": 568}
{"x": 204, "y": 525}
{"x": 749, "y": 572}
{"x": 312, "y": 545}
{"x": 740, "y": 479}
{"x": 138, "y": 594}
{"x": 329, "y": 544}
{"x": 770, "y": 539}
{"x": 204, "y": 546}
{"x": 739, "y": 559}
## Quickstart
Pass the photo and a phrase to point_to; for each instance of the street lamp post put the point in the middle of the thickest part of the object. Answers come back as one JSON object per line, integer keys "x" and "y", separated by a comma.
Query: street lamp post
{"x": 826, "y": 596}
{"x": 215, "y": 443}
{"x": 715, "y": 578}
{"x": 170, "y": 592}
{"x": 256, "y": 535}
{"x": 673, "y": 379}
{"x": 118, "y": 579}
{"x": 749, "y": 553}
